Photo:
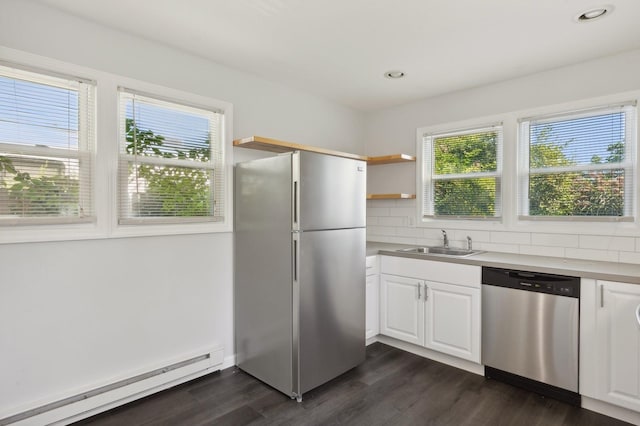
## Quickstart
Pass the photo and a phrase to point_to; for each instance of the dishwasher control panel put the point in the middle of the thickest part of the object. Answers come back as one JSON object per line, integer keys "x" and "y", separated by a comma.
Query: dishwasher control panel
{"x": 539, "y": 282}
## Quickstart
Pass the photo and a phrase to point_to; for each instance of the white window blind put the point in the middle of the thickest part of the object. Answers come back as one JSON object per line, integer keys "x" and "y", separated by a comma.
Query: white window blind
{"x": 462, "y": 172}
{"x": 171, "y": 161}
{"x": 47, "y": 128}
{"x": 578, "y": 165}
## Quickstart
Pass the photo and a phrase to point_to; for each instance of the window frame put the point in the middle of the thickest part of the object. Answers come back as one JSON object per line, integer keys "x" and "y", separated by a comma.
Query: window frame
{"x": 105, "y": 158}
{"x": 162, "y": 227}
{"x": 426, "y": 164}
{"x": 87, "y": 143}
{"x": 628, "y": 165}
{"x": 215, "y": 165}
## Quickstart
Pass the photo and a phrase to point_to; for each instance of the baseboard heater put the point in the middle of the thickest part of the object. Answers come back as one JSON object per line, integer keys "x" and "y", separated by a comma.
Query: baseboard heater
{"x": 214, "y": 358}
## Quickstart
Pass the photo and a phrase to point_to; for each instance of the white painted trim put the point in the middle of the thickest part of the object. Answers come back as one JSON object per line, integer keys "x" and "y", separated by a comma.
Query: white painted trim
{"x": 434, "y": 355}
{"x": 116, "y": 397}
{"x": 105, "y": 172}
{"x": 512, "y": 170}
{"x": 229, "y": 361}
{"x": 611, "y": 410}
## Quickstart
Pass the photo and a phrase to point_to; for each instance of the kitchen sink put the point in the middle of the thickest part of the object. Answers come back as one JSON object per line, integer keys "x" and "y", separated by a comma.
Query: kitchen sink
{"x": 440, "y": 250}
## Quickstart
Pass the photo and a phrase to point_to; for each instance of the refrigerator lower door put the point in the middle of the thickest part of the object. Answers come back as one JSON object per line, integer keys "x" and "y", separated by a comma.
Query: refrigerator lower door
{"x": 263, "y": 271}
{"x": 331, "y": 286}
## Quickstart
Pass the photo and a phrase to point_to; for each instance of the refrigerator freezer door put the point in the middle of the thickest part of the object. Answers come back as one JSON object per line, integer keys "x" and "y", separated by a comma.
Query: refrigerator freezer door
{"x": 331, "y": 304}
{"x": 331, "y": 192}
{"x": 263, "y": 270}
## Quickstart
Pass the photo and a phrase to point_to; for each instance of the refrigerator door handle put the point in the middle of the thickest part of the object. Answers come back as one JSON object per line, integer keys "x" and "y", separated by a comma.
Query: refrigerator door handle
{"x": 295, "y": 260}
{"x": 295, "y": 202}
{"x": 295, "y": 338}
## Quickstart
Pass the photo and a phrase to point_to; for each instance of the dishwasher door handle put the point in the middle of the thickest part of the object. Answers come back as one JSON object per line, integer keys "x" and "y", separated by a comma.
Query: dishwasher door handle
{"x": 638, "y": 314}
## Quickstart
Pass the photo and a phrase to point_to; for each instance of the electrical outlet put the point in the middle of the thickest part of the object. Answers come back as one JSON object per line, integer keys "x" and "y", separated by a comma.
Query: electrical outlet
{"x": 411, "y": 221}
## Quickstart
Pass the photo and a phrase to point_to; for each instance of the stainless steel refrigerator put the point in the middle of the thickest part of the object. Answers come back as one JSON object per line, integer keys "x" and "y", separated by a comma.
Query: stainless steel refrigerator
{"x": 299, "y": 293}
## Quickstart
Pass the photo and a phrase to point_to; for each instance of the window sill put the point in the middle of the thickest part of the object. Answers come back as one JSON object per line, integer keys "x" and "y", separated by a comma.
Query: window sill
{"x": 154, "y": 229}
{"x": 96, "y": 231}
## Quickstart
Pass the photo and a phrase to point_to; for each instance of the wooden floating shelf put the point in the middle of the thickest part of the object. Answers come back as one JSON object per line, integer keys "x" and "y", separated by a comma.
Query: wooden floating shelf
{"x": 274, "y": 145}
{"x": 390, "y": 159}
{"x": 390, "y": 196}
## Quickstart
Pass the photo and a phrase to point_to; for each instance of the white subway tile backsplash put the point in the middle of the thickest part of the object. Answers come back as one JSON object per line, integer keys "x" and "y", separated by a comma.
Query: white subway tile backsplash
{"x": 403, "y": 211}
{"x": 629, "y": 257}
{"x": 542, "y": 251}
{"x": 378, "y": 211}
{"x": 406, "y": 203}
{"x": 502, "y": 248}
{"x": 478, "y": 236}
{"x": 381, "y": 230}
{"x": 394, "y": 240}
{"x": 607, "y": 243}
{"x": 388, "y": 221}
{"x": 380, "y": 238}
{"x": 406, "y": 240}
{"x": 428, "y": 242}
{"x": 410, "y": 232}
{"x": 435, "y": 234}
{"x": 510, "y": 237}
{"x": 590, "y": 254}
{"x": 555, "y": 240}
{"x": 380, "y": 203}
{"x": 392, "y": 221}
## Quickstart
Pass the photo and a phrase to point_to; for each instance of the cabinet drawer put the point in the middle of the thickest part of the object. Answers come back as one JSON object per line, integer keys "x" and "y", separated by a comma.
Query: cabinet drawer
{"x": 444, "y": 272}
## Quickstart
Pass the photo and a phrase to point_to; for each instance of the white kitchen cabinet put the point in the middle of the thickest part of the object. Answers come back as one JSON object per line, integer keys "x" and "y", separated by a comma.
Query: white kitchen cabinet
{"x": 402, "y": 308}
{"x": 610, "y": 352}
{"x": 431, "y": 304}
{"x": 452, "y": 320}
{"x": 372, "y": 319}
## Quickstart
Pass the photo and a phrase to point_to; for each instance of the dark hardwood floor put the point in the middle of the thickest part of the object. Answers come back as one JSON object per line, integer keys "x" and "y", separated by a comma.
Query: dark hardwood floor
{"x": 391, "y": 387}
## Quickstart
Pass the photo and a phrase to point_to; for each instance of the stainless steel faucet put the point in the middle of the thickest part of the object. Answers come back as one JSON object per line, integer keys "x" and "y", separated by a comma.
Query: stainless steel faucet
{"x": 446, "y": 239}
{"x": 469, "y": 245}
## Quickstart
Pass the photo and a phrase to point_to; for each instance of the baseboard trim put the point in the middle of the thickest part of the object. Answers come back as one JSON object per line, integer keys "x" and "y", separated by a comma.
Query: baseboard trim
{"x": 462, "y": 364}
{"x": 611, "y": 410}
{"x": 115, "y": 393}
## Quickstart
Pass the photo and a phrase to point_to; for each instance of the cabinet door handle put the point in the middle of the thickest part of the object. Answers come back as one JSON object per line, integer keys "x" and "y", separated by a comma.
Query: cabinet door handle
{"x": 638, "y": 314}
{"x": 426, "y": 294}
{"x": 419, "y": 294}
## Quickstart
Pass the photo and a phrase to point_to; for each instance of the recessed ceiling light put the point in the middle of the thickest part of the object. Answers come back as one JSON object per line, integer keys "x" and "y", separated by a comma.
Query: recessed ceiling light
{"x": 593, "y": 14}
{"x": 394, "y": 74}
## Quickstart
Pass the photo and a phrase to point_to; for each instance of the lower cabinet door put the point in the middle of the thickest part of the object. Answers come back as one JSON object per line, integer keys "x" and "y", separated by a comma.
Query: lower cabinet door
{"x": 372, "y": 309}
{"x": 452, "y": 320}
{"x": 401, "y": 308}
{"x": 618, "y": 343}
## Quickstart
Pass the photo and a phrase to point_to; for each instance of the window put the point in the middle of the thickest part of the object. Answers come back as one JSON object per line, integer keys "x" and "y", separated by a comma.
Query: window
{"x": 578, "y": 164}
{"x": 461, "y": 173}
{"x": 171, "y": 161}
{"x": 46, "y": 144}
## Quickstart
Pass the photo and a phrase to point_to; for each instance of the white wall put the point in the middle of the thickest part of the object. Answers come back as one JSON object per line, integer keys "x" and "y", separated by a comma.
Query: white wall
{"x": 393, "y": 130}
{"x": 77, "y": 314}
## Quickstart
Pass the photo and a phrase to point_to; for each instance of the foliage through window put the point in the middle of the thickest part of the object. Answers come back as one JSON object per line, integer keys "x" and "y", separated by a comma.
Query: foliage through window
{"x": 46, "y": 143}
{"x": 578, "y": 164}
{"x": 461, "y": 173}
{"x": 171, "y": 167}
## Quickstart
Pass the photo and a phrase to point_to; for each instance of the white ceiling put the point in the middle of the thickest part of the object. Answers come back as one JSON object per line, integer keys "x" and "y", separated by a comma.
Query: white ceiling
{"x": 339, "y": 49}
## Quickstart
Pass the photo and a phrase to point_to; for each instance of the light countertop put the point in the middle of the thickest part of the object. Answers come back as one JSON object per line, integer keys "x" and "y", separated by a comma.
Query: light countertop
{"x": 611, "y": 271}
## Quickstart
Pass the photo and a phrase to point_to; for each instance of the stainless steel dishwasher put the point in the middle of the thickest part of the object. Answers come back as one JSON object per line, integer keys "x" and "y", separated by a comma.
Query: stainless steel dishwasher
{"x": 530, "y": 324}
